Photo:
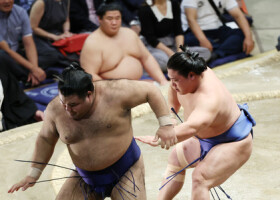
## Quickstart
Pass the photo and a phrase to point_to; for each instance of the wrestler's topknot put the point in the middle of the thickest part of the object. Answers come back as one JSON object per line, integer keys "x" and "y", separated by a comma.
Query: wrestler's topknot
{"x": 75, "y": 81}
{"x": 187, "y": 61}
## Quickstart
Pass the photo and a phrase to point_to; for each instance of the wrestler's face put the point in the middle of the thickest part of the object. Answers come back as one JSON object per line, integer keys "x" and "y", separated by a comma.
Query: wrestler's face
{"x": 181, "y": 84}
{"x": 6, "y": 5}
{"x": 111, "y": 22}
{"x": 76, "y": 107}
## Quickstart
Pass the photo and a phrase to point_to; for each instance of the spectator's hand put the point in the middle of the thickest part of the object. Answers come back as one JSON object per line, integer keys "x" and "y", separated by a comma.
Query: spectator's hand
{"x": 248, "y": 45}
{"x": 167, "y": 136}
{"x": 34, "y": 81}
{"x": 207, "y": 44}
{"x": 39, "y": 73}
{"x": 36, "y": 76}
{"x": 25, "y": 183}
{"x": 147, "y": 140}
{"x": 67, "y": 34}
{"x": 56, "y": 37}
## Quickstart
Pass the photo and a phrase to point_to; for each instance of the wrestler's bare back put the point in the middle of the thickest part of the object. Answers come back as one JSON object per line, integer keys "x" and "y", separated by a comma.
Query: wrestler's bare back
{"x": 98, "y": 141}
{"x": 213, "y": 96}
{"x": 113, "y": 57}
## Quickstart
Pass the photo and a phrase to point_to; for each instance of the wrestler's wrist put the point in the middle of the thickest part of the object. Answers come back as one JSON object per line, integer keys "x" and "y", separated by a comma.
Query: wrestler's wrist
{"x": 35, "y": 172}
{"x": 165, "y": 120}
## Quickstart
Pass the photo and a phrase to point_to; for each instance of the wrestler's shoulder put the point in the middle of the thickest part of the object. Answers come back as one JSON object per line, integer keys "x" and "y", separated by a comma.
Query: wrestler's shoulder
{"x": 54, "y": 106}
{"x": 128, "y": 32}
{"x": 95, "y": 37}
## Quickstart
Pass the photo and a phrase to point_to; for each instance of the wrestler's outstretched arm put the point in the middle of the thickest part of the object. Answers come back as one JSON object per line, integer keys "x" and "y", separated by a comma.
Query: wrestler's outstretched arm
{"x": 148, "y": 139}
{"x": 173, "y": 103}
{"x": 44, "y": 147}
{"x": 138, "y": 92}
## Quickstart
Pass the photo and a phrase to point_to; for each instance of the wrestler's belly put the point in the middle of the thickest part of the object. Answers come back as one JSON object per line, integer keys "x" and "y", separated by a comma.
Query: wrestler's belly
{"x": 99, "y": 153}
{"x": 129, "y": 68}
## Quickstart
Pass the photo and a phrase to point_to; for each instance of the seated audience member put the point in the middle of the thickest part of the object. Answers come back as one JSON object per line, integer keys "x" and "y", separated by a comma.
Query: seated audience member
{"x": 23, "y": 64}
{"x": 162, "y": 29}
{"x": 50, "y": 22}
{"x": 16, "y": 108}
{"x": 203, "y": 27}
{"x": 83, "y": 16}
{"x": 114, "y": 52}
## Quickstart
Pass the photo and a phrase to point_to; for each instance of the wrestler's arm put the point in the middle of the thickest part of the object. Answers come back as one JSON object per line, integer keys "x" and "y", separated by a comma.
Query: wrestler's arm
{"x": 91, "y": 58}
{"x": 201, "y": 117}
{"x": 172, "y": 103}
{"x": 138, "y": 92}
{"x": 44, "y": 147}
{"x": 150, "y": 64}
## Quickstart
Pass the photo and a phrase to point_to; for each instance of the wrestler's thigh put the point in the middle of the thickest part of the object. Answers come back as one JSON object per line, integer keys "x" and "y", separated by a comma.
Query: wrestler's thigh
{"x": 71, "y": 190}
{"x": 223, "y": 160}
{"x": 132, "y": 184}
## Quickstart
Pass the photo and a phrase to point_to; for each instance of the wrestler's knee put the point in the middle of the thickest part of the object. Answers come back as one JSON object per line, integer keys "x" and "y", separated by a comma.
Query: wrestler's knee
{"x": 175, "y": 164}
{"x": 199, "y": 179}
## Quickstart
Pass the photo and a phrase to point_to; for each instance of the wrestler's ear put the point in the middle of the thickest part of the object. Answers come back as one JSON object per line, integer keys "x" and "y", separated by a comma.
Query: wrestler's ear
{"x": 89, "y": 93}
{"x": 191, "y": 75}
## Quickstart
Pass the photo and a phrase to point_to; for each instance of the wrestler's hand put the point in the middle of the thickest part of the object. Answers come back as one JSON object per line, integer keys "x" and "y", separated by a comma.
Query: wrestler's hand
{"x": 147, "y": 140}
{"x": 167, "y": 136}
{"x": 25, "y": 183}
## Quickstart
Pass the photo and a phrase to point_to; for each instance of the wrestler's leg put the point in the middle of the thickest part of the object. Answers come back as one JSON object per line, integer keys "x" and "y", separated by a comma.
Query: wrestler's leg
{"x": 219, "y": 164}
{"x": 133, "y": 181}
{"x": 184, "y": 153}
{"x": 71, "y": 190}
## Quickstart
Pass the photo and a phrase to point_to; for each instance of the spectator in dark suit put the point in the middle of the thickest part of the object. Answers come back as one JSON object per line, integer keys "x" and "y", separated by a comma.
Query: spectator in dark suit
{"x": 17, "y": 109}
{"x": 82, "y": 15}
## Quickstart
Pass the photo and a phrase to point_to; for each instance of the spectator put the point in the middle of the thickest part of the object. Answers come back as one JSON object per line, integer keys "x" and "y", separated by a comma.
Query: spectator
{"x": 162, "y": 29}
{"x": 113, "y": 52}
{"x": 83, "y": 16}
{"x": 50, "y": 22}
{"x": 204, "y": 28}
{"x": 17, "y": 109}
{"x": 15, "y": 24}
